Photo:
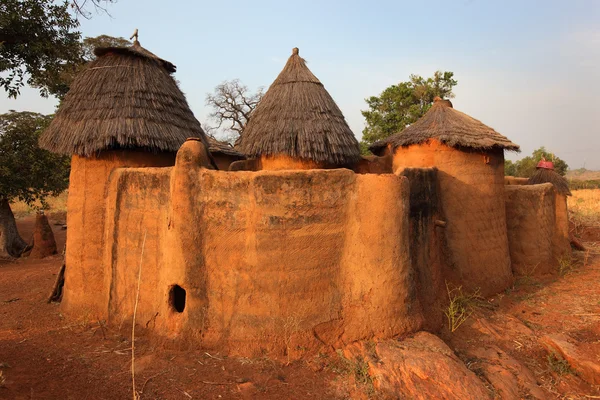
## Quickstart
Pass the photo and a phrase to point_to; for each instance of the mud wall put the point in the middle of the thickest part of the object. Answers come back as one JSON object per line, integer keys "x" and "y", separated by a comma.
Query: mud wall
{"x": 428, "y": 245}
{"x": 472, "y": 198}
{"x": 223, "y": 161}
{"x": 530, "y": 220}
{"x": 84, "y": 277}
{"x": 561, "y": 242}
{"x": 281, "y": 162}
{"x": 513, "y": 180}
{"x": 270, "y": 261}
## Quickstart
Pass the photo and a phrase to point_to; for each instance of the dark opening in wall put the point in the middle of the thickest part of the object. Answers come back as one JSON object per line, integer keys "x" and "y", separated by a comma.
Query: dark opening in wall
{"x": 177, "y": 298}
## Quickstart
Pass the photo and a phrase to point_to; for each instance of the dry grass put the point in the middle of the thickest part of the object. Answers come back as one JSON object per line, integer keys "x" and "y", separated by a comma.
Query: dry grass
{"x": 55, "y": 204}
{"x": 461, "y": 306}
{"x": 584, "y": 209}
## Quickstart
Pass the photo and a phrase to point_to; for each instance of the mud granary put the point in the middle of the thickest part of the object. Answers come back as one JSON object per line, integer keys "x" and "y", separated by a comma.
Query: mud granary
{"x": 301, "y": 245}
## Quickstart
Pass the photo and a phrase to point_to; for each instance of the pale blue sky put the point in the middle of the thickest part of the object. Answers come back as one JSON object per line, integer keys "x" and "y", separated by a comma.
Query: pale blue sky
{"x": 529, "y": 69}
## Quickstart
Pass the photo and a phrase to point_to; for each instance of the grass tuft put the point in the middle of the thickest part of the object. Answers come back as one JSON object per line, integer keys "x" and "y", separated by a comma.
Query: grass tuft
{"x": 558, "y": 364}
{"x": 461, "y": 306}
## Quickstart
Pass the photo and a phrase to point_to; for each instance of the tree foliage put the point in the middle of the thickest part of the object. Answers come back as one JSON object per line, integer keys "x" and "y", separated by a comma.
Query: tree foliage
{"x": 39, "y": 41}
{"x": 27, "y": 172}
{"x": 525, "y": 167}
{"x": 400, "y": 105}
{"x": 90, "y": 43}
{"x": 232, "y": 104}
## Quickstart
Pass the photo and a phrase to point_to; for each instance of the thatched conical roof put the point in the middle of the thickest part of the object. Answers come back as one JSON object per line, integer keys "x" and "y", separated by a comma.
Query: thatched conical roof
{"x": 545, "y": 174}
{"x": 125, "y": 98}
{"x": 215, "y": 146}
{"x": 297, "y": 117}
{"x": 451, "y": 127}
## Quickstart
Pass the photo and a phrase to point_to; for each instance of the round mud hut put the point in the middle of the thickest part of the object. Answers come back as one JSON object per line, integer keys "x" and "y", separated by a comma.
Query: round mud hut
{"x": 469, "y": 157}
{"x": 545, "y": 174}
{"x": 297, "y": 124}
{"x": 123, "y": 110}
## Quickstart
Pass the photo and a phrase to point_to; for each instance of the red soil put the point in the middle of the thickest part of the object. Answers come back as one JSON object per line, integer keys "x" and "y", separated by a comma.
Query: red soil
{"x": 43, "y": 355}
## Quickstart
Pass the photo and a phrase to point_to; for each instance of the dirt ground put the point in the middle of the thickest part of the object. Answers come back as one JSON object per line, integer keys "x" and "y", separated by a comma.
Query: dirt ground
{"x": 45, "y": 356}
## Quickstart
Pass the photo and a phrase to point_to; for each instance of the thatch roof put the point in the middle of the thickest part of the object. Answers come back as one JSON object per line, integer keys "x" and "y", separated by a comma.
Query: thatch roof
{"x": 215, "y": 146}
{"x": 297, "y": 117}
{"x": 125, "y": 98}
{"x": 451, "y": 127}
{"x": 545, "y": 175}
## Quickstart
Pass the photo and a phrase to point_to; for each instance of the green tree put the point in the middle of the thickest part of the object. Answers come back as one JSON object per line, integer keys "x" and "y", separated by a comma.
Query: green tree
{"x": 39, "y": 41}
{"x": 400, "y": 105}
{"x": 510, "y": 168}
{"x": 525, "y": 167}
{"x": 27, "y": 173}
{"x": 90, "y": 43}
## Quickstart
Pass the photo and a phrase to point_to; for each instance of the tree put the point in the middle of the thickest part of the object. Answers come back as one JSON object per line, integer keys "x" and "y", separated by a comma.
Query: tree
{"x": 38, "y": 40}
{"x": 40, "y": 43}
{"x": 99, "y": 6}
{"x": 232, "y": 103}
{"x": 525, "y": 167}
{"x": 90, "y": 43}
{"x": 27, "y": 173}
{"x": 400, "y": 105}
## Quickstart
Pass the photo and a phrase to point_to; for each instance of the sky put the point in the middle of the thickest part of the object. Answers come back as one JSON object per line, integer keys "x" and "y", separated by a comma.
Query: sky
{"x": 529, "y": 69}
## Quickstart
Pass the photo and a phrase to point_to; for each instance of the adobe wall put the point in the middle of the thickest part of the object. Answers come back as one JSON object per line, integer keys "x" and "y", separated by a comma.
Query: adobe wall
{"x": 530, "y": 219}
{"x": 560, "y": 240}
{"x": 282, "y": 162}
{"x": 472, "y": 198}
{"x": 513, "y": 180}
{"x": 223, "y": 161}
{"x": 85, "y": 218}
{"x": 374, "y": 165}
{"x": 428, "y": 244}
{"x": 271, "y": 261}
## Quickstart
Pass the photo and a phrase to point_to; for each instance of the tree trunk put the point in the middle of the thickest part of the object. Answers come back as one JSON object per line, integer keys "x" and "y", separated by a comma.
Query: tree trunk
{"x": 11, "y": 243}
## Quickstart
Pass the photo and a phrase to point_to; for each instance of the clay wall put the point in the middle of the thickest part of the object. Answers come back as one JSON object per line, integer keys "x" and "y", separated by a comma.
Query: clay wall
{"x": 472, "y": 198}
{"x": 84, "y": 276}
{"x": 513, "y": 180}
{"x": 281, "y": 162}
{"x": 530, "y": 220}
{"x": 223, "y": 161}
{"x": 560, "y": 241}
{"x": 374, "y": 165}
{"x": 270, "y": 261}
{"x": 428, "y": 244}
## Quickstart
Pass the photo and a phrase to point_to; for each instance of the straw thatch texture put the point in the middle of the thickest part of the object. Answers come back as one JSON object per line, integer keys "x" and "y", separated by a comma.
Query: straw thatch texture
{"x": 297, "y": 117}
{"x": 543, "y": 175}
{"x": 216, "y": 146}
{"x": 449, "y": 126}
{"x": 126, "y": 98}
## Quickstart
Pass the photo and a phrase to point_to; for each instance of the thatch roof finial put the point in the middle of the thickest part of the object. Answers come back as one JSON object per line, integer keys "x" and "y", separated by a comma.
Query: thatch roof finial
{"x": 295, "y": 51}
{"x": 135, "y": 36}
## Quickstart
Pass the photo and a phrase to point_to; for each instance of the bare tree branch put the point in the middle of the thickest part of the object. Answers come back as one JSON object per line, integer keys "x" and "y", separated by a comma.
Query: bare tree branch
{"x": 232, "y": 104}
{"x": 99, "y": 6}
